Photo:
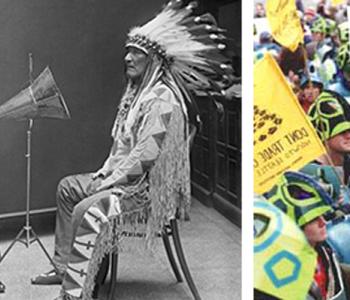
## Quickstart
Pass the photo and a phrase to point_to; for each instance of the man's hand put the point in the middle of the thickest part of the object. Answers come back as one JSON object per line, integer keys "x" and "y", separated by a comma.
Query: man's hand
{"x": 234, "y": 90}
{"x": 92, "y": 187}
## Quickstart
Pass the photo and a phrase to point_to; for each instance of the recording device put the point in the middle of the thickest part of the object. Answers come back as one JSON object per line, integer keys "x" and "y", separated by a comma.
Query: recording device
{"x": 41, "y": 99}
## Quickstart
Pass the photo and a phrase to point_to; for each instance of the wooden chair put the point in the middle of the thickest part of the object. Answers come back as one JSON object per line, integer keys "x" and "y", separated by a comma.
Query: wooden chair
{"x": 169, "y": 230}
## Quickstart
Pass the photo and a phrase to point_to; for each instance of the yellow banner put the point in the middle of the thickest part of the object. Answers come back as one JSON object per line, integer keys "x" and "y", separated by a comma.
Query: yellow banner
{"x": 284, "y": 139}
{"x": 338, "y": 2}
{"x": 285, "y": 23}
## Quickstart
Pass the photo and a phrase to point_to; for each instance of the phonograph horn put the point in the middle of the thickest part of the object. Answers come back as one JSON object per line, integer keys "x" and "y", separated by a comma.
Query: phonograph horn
{"x": 42, "y": 99}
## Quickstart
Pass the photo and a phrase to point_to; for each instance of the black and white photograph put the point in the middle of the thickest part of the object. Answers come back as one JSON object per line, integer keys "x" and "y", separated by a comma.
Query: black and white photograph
{"x": 120, "y": 149}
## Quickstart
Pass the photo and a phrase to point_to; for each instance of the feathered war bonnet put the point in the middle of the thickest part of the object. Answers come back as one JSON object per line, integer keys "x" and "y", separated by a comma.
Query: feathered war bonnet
{"x": 192, "y": 48}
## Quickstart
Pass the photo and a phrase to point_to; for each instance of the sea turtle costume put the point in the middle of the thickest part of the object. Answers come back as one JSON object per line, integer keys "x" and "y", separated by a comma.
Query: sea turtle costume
{"x": 330, "y": 115}
{"x": 300, "y": 197}
{"x": 342, "y": 85}
{"x": 303, "y": 199}
{"x": 279, "y": 247}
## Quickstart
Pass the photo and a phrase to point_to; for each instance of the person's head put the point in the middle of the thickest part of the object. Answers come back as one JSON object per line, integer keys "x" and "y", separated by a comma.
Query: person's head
{"x": 343, "y": 60}
{"x": 343, "y": 33}
{"x": 331, "y": 28}
{"x": 330, "y": 115}
{"x": 332, "y": 11}
{"x": 259, "y": 10}
{"x": 305, "y": 201}
{"x": 320, "y": 8}
{"x": 136, "y": 61}
{"x": 311, "y": 91}
{"x": 292, "y": 61}
{"x": 265, "y": 37}
{"x": 315, "y": 231}
{"x": 319, "y": 29}
{"x": 340, "y": 144}
{"x": 186, "y": 51}
{"x": 311, "y": 88}
{"x": 309, "y": 15}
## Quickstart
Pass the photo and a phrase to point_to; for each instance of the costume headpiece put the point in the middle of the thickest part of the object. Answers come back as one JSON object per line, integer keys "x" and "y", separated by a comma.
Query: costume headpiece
{"x": 343, "y": 32}
{"x": 319, "y": 25}
{"x": 313, "y": 78}
{"x": 327, "y": 177}
{"x": 192, "y": 47}
{"x": 280, "y": 248}
{"x": 331, "y": 27}
{"x": 343, "y": 57}
{"x": 300, "y": 197}
{"x": 330, "y": 115}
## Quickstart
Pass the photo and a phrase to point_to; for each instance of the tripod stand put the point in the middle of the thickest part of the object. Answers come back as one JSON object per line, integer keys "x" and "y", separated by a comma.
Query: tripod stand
{"x": 27, "y": 231}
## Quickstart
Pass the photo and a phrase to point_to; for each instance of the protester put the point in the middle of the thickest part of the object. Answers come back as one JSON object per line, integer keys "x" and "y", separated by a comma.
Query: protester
{"x": 342, "y": 85}
{"x": 270, "y": 220}
{"x": 310, "y": 90}
{"x": 266, "y": 44}
{"x": 321, "y": 7}
{"x": 330, "y": 115}
{"x": 259, "y": 10}
{"x": 309, "y": 15}
{"x": 343, "y": 33}
{"x": 293, "y": 66}
{"x": 306, "y": 202}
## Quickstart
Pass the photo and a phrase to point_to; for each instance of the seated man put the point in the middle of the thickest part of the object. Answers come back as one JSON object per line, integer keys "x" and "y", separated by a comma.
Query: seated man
{"x": 146, "y": 177}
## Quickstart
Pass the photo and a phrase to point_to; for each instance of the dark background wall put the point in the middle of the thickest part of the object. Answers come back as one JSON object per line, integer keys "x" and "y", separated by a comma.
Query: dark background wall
{"x": 82, "y": 42}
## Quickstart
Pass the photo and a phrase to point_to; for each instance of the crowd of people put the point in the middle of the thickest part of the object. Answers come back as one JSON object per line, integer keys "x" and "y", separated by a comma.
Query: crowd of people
{"x": 316, "y": 197}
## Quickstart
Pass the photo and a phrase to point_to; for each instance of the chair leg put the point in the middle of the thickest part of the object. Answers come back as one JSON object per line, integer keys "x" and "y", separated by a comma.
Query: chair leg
{"x": 171, "y": 255}
{"x": 101, "y": 276}
{"x": 114, "y": 272}
{"x": 182, "y": 260}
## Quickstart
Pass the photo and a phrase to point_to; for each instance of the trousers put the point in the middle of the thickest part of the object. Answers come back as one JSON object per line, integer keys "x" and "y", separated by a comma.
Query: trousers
{"x": 71, "y": 192}
{"x": 79, "y": 221}
{"x": 82, "y": 223}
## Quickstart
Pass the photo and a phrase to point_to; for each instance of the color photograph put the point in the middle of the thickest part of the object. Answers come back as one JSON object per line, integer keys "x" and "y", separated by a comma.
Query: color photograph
{"x": 301, "y": 123}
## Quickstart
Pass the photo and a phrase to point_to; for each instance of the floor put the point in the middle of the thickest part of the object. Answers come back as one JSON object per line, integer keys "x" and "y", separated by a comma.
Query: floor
{"x": 212, "y": 246}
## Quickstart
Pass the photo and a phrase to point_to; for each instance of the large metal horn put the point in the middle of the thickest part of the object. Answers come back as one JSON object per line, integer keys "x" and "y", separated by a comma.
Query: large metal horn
{"x": 42, "y": 99}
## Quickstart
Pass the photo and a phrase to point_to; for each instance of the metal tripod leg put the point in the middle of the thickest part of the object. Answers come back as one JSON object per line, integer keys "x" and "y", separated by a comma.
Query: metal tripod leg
{"x": 17, "y": 239}
{"x": 28, "y": 231}
{"x": 36, "y": 238}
